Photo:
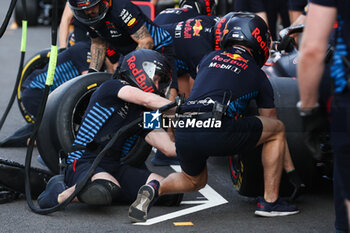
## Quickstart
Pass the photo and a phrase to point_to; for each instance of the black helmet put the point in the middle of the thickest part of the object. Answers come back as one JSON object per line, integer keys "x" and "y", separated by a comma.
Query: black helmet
{"x": 79, "y": 6}
{"x": 219, "y": 29}
{"x": 142, "y": 67}
{"x": 204, "y": 7}
{"x": 249, "y": 30}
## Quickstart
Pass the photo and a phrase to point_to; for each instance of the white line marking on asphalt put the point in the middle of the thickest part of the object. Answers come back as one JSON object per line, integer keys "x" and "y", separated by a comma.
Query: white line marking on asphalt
{"x": 214, "y": 199}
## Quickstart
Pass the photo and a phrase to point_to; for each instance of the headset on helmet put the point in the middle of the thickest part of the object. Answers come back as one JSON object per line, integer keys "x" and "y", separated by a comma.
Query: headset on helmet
{"x": 249, "y": 30}
{"x": 79, "y": 6}
{"x": 142, "y": 67}
{"x": 204, "y": 7}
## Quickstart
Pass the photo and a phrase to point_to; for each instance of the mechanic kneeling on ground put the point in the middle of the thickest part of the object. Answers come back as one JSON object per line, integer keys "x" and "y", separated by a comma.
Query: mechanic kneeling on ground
{"x": 113, "y": 105}
{"x": 71, "y": 63}
{"x": 230, "y": 78}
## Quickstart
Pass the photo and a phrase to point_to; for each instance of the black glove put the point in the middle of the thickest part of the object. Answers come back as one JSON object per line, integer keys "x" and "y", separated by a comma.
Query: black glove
{"x": 314, "y": 123}
{"x": 287, "y": 44}
{"x": 180, "y": 99}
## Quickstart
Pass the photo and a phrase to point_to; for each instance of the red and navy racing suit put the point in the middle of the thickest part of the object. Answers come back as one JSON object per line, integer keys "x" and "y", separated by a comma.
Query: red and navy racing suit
{"x": 124, "y": 19}
{"x": 81, "y": 34}
{"x": 78, "y": 34}
{"x": 105, "y": 115}
{"x": 70, "y": 64}
{"x": 174, "y": 15}
{"x": 232, "y": 77}
{"x": 193, "y": 39}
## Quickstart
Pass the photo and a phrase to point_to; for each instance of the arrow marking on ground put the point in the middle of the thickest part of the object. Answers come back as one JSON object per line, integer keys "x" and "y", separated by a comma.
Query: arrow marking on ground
{"x": 214, "y": 199}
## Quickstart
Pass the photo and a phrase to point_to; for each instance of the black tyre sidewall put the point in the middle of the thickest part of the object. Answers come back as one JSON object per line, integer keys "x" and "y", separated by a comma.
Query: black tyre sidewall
{"x": 55, "y": 132}
{"x": 33, "y": 11}
{"x": 37, "y": 61}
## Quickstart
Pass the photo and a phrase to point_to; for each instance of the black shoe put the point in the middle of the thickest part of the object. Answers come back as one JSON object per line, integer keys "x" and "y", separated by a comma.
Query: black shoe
{"x": 274, "y": 209}
{"x": 160, "y": 159}
{"x": 146, "y": 196}
{"x": 54, "y": 187}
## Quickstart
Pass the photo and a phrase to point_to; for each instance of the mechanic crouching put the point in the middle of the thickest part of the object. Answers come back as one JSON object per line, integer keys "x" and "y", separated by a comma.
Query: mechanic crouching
{"x": 226, "y": 81}
{"x": 113, "y": 105}
{"x": 71, "y": 63}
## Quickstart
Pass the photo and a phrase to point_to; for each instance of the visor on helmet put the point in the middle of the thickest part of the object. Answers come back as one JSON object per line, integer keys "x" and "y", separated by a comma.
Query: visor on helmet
{"x": 143, "y": 68}
{"x": 79, "y": 11}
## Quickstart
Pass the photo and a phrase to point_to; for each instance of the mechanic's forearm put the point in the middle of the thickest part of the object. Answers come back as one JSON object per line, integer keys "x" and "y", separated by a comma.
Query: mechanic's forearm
{"x": 160, "y": 139}
{"x": 63, "y": 37}
{"x": 98, "y": 53}
{"x": 312, "y": 52}
{"x": 139, "y": 97}
{"x": 310, "y": 70}
{"x": 143, "y": 38}
{"x": 66, "y": 18}
{"x": 145, "y": 44}
{"x": 155, "y": 101}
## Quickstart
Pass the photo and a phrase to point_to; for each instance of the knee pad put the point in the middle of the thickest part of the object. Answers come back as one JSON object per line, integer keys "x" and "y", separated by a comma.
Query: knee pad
{"x": 99, "y": 192}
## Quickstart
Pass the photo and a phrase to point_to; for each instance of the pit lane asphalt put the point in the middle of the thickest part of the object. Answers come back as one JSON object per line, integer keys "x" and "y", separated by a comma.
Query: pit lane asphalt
{"x": 237, "y": 215}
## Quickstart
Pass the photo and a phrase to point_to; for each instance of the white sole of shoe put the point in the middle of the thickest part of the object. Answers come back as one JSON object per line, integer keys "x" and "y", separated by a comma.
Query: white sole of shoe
{"x": 138, "y": 209}
{"x": 274, "y": 213}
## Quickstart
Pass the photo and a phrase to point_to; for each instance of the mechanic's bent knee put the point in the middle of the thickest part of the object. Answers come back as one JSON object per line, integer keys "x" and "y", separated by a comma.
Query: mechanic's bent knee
{"x": 198, "y": 182}
{"x": 279, "y": 129}
{"x": 280, "y": 126}
{"x": 99, "y": 192}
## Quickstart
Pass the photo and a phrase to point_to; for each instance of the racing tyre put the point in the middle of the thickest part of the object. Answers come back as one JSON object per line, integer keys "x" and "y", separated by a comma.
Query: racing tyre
{"x": 33, "y": 12}
{"x": 246, "y": 170}
{"x": 37, "y": 61}
{"x": 64, "y": 111}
